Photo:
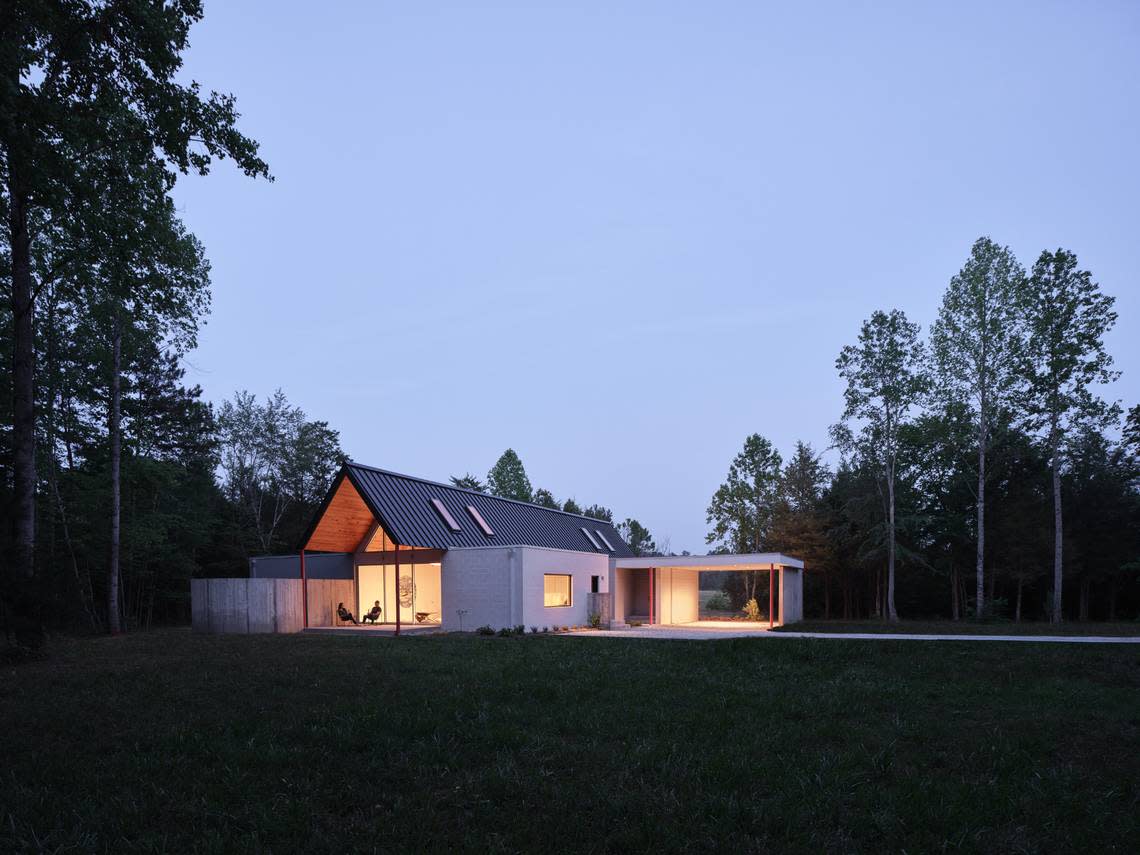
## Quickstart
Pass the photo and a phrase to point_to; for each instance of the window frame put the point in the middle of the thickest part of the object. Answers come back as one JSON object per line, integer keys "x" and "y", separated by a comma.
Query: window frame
{"x": 569, "y": 604}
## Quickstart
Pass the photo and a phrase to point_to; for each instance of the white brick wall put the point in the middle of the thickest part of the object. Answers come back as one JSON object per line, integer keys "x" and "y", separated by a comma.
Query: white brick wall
{"x": 503, "y": 586}
{"x": 477, "y": 580}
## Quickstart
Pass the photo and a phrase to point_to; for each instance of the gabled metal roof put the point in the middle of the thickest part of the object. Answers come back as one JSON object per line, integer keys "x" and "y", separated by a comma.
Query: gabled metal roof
{"x": 403, "y": 505}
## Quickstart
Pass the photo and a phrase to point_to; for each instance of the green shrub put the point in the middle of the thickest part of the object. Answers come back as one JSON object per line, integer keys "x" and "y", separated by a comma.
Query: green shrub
{"x": 534, "y": 630}
{"x": 719, "y": 602}
{"x": 506, "y": 632}
{"x": 520, "y": 629}
{"x": 594, "y": 620}
{"x": 485, "y": 629}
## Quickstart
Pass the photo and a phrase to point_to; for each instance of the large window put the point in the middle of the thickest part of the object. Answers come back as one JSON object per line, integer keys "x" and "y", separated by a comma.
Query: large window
{"x": 556, "y": 589}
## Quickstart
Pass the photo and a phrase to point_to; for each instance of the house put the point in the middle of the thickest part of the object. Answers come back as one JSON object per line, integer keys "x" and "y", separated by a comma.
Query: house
{"x": 439, "y": 556}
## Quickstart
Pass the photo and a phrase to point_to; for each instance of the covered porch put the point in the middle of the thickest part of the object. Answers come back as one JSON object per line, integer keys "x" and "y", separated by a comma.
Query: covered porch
{"x": 397, "y": 586}
{"x": 665, "y": 590}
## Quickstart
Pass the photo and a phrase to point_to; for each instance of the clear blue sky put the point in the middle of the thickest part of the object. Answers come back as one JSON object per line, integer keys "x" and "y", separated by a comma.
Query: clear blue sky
{"x": 620, "y": 240}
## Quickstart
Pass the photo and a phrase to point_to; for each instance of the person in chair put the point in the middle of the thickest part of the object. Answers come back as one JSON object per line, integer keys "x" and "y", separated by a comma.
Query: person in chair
{"x": 344, "y": 614}
{"x": 373, "y": 615}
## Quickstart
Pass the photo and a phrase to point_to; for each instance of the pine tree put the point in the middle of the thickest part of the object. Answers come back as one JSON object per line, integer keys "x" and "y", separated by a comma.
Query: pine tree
{"x": 507, "y": 478}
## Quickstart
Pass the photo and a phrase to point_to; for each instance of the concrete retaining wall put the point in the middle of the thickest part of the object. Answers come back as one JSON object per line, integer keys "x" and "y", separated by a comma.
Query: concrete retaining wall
{"x": 264, "y": 605}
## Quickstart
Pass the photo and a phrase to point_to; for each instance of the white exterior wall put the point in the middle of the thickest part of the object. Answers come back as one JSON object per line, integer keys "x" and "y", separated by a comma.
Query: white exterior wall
{"x": 676, "y": 595}
{"x": 503, "y": 586}
{"x": 791, "y": 595}
{"x": 579, "y": 565}
{"x": 478, "y": 580}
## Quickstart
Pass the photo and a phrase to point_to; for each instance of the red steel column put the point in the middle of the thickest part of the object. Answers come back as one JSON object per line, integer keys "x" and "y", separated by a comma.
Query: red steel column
{"x": 771, "y": 594}
{"x": 652, "y": 573}
{"x": 304, "y": 593}
{"x": 397, "y": 589}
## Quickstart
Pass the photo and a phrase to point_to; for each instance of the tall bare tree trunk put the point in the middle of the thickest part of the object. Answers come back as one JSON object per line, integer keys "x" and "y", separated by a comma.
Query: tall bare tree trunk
{"x": 1017, "y": 611}
{"x": 23, "y": 382}
{"x": 979, "y": 596}
{"x": 1054, "y": 442}
{"x": 892, "y": 614}
{"x": 954, "y": 613}
{"x": 114, "y": 621}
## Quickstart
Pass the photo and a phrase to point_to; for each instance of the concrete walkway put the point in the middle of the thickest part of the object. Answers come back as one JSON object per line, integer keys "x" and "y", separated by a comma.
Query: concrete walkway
{"x": 692, "y": 633}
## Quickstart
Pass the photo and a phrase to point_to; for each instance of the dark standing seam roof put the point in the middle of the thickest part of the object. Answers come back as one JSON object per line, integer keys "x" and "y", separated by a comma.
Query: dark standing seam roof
{"x": 403, "y": 505}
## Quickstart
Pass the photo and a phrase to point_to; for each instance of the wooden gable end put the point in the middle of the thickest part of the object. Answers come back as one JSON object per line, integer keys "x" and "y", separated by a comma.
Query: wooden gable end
{"x": 344, "y": 524}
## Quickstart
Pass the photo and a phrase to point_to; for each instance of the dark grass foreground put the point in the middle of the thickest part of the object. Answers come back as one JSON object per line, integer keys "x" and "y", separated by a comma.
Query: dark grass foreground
{"x": 175, "y": 742}
{"x": 947, "y": 627}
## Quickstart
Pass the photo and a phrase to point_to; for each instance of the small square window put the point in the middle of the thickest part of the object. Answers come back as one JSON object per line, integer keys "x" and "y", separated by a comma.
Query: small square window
{"x": 557, "y": 590}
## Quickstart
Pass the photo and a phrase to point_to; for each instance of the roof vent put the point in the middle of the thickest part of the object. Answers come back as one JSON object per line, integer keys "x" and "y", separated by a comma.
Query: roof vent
{"x": 609, "y": 545}
{"x": 590, "y": 538}
{"x": 482, "y": 523}
{"x": 446, "y": 514}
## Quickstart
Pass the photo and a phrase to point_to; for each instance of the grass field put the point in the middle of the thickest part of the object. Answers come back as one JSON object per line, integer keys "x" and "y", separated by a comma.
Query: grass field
{"x": 948, "y": 627}
{"x": 176, "y": 742}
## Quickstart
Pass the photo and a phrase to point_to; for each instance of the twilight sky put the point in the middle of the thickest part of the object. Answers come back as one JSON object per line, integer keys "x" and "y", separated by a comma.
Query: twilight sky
{"x": 620, "y": 240}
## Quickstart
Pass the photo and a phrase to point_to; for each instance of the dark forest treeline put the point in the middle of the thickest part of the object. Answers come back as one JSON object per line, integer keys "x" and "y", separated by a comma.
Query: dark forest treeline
{"x": 982, "y": 465}
{"x": 118, "y": 483}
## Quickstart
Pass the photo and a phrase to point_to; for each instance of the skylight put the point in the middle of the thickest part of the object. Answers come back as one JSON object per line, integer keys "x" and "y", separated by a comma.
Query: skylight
{"x": 446, "y": 514}
{"x": 590, "y": 538}
{"x": 609, "y": 545}
{"x": 482, "y": 523}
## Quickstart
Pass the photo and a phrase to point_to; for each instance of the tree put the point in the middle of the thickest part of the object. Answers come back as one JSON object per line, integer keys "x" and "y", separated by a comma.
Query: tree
{"x": 1131, "y": 435}
{"x": 599, "y": 512}
{"x": 544, "y": 497}
{"x": 83, "y": 79}
{"x": 469, "y": 482}
{"x": 976, "y": 350}
{"x": 638, "y": 537}
{"x": 571, "y": 507}
{"x": 936, "y": 448}
{"x": 276, "y": 462}
{"x": 507, "y": 478}
{"x": 885, "y": 382}
{"x": 743, "y": 507}
{"x": 799, "y": 524}
{"x": 1066, "y": 318}
{"x": 144, "y": 281}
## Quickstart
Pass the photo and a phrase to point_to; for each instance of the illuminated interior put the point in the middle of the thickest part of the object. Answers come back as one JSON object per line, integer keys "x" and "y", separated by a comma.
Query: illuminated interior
{"x": 556, "y": 590}
{"x": 419, "y": 592}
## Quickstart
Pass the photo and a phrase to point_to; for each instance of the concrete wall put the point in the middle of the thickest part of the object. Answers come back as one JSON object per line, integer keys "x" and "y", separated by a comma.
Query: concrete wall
{"x": 336, "y": 565}
{"x": 478, "y": 581}
{"x": 264, "y": 605}
{"x": 503, "y": 586}
{"x": 791, "y": 595}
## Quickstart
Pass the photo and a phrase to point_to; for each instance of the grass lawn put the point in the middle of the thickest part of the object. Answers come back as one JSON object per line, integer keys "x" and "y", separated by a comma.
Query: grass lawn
{"x": 949, "y": 627}
{"x": 172, "y": 741}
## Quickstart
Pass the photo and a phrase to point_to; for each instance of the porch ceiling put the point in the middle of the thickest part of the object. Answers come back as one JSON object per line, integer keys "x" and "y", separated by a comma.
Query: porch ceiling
{"x": 343, "y": 523}
{"x": 747, "y": 561}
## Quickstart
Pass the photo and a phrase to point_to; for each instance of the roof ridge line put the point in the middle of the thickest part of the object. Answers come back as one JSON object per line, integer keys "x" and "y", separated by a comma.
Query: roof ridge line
{"x": 477, "y": 492}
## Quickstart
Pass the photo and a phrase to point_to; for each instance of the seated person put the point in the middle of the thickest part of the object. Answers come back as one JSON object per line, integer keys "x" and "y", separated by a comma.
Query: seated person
{"x": 344, "y": 614}
{"x": 373, "y": 615}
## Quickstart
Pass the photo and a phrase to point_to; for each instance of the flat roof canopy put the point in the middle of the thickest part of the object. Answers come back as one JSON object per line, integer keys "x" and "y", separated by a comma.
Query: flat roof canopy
{"x": 749, "y": 561}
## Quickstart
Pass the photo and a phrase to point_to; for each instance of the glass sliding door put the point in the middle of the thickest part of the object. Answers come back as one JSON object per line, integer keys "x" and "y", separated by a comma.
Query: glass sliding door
{"x": 418, "y": 595}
